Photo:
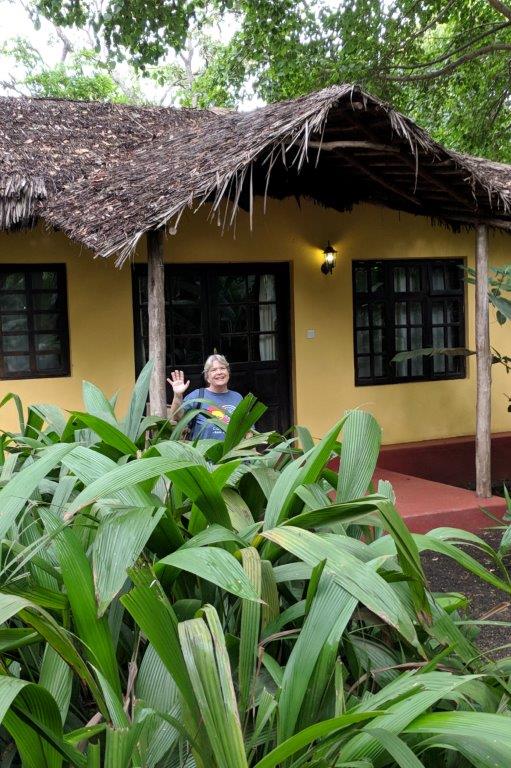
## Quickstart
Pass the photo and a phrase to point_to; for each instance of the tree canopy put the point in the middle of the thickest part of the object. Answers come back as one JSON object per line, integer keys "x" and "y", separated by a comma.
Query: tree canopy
{"x": 446, "y": 64}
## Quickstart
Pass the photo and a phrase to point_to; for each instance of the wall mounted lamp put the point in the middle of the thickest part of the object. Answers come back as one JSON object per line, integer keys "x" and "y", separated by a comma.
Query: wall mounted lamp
{"x": 329, "y": 259}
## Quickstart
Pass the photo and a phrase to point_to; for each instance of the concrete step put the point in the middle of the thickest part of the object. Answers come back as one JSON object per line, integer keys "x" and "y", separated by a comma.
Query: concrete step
{"x": 425, "y": 504}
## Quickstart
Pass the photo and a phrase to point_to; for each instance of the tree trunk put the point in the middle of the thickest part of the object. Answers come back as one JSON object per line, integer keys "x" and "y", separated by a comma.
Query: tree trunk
{"x": 156, "y": 325}
{"x": 483, "y": 407}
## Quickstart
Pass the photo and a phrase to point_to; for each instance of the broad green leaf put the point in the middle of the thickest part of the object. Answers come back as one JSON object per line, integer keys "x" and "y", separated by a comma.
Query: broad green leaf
{"x": 331, "y": 609}
{"x": 56, "y": 676}
{"x": 108, "y": 433}
{"x": 354, "y": 576}
{"x": 215, "y": 565}
{"x": 78, "y": 580}
{"x": 19, "y": 489}
{"x": 120, "y": 539}
{"x": 320, "y": 730}
{"x": 96, "y": 404}
{"x": 249, "y": 629}
{"x": 207, "y": 661}
{"x": 242, "y": 419}
{"x": 282, "y": 502}
{"x": 120, "y": 478}
{"x": 131, "y": 423}
{"x": 396, "y": 748}
{"x": 152, "y": 612}
{"x": 38, "y": 734}
{"x": 361, "y": 437}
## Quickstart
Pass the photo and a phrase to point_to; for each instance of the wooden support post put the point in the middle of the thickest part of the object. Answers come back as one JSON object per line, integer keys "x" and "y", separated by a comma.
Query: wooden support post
{"x": 156, "y": 325}
{"x": 483, "y": 407}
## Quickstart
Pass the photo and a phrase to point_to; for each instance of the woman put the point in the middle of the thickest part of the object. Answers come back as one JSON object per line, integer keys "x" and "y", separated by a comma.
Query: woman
{"x": 220, "y": 401}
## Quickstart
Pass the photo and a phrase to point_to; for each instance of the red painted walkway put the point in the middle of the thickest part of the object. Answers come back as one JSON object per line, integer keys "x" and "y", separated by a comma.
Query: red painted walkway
{"x": 425, "y": 504}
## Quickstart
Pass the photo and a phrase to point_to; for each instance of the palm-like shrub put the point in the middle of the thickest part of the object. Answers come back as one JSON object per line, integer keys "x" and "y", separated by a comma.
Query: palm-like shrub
{"x": 222, "y": 606}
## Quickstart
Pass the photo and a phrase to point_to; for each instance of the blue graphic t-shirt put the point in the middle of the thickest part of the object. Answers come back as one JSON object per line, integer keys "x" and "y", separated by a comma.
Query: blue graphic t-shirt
{"x": 219, "y": 404}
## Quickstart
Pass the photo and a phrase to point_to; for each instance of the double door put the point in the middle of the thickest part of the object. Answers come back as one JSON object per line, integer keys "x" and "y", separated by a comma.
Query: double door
{"x": 240, "y": 311}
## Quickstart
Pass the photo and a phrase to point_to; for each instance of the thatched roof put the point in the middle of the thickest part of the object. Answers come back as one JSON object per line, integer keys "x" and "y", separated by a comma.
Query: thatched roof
{"x": 105, "y": 174}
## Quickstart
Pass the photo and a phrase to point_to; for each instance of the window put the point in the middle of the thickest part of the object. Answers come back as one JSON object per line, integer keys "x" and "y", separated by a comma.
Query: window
{"x": 405, "y": 305}
{"x": 34, "y": 339}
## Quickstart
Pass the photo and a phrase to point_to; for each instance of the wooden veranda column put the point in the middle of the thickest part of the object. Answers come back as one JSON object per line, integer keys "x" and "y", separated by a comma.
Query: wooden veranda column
{"x": 483, "y": 357}
{"x": 156, "y": 324}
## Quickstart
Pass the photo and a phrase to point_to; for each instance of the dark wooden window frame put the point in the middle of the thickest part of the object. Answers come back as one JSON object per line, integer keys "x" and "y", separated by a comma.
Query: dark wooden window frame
{"x": 388, "y": 297}
{"x": 61, "y": 309}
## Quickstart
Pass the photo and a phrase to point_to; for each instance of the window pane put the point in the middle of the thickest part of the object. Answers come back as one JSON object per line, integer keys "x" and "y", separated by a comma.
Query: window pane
{"x": 45, "y": 300}
{"x": 46, "y": 321}
{"x": 399, "y": 279}
{"x": 262, "y": 287}
{"x": 414, "y": 277}
{"x": 13, "y": 302}
{"x": 17, "y": 363}
{"x": 44, "y": 279}
{"x": 231, "y": 289}
{"x": 453, "y": 312}
{"x": 187, "y": 351}
{"x": 453, "y": 336}
{"x": 233, "y": 319}
{"x": 378, "y": 366}
{"x": 417, "y": 365}
{"x": 361, "y": 280}
{"x": 13, "y": 323}
{"x": 363, "y": 367}
{"x": 416, "y": 338}
{"x": 439, "y": 363}
{"x": 438, "y": 343}
{"x": 184, "y": 289}
{"x": 48, "y": 362}
{"x": 185, "y": 319}
{"x": 45, "y": 342}
{"x": 15, "y": 343}
{"x": 401, "y": 339}
{"x": 438, "y": 278}
{"x": 415, "y": 313}
{"x": 438, "y": 338}
{"x": 12, "y": 281}
{"x": 437, "y": 314}
{"x": 376, "y": 277}
{"x": 362, "y": 316}
{"x": 363, "y": 341}
{"x": 400, "y": 313}
{"x": 377, "y": 341}
{"x": 264, "y": 346}
{"x": 378, "y": 315}
{"x": 264, "y": 317}
{"x": 402, "y": 369}
{"x": 454, "y": 277}
{"x": 235, "y": 348}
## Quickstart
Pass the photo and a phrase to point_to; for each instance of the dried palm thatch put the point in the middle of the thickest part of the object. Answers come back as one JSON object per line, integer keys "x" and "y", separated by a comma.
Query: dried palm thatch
{"x": 108, "y": 173}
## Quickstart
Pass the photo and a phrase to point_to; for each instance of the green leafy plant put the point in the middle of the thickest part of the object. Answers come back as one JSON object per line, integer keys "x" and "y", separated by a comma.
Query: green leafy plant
{"x": 164, "y": 603}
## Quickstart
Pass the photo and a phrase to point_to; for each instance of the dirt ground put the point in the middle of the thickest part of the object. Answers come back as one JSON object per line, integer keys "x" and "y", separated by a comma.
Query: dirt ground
{"x": 445, "y": 575}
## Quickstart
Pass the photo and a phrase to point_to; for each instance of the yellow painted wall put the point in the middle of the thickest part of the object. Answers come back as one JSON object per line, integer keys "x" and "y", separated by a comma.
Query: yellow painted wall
{"x": 100, "y": 323}
{"x": 323, "y": 368}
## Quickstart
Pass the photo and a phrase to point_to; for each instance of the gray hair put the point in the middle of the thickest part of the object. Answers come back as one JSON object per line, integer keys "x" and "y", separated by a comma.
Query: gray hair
{"x": 215, "y": 359}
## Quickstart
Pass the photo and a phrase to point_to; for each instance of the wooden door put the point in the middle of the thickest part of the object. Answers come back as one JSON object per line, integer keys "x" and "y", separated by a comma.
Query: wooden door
{"x": 240, "y": 311}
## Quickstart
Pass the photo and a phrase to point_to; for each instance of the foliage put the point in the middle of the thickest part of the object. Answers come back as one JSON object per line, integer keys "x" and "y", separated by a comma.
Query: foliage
{"x": 445, "y": 64}
{"x": 82, "y": 75}
{"x": 164, "y": 603}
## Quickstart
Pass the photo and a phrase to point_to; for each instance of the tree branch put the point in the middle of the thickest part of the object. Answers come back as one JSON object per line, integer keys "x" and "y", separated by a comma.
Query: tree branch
{"x": 454, "y": 51}
{"x": 479, "y": 53}
{"x": 502, "y": 8}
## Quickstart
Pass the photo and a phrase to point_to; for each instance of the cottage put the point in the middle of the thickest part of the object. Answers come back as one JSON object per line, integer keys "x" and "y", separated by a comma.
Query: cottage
{"x": 232, "y": 213}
